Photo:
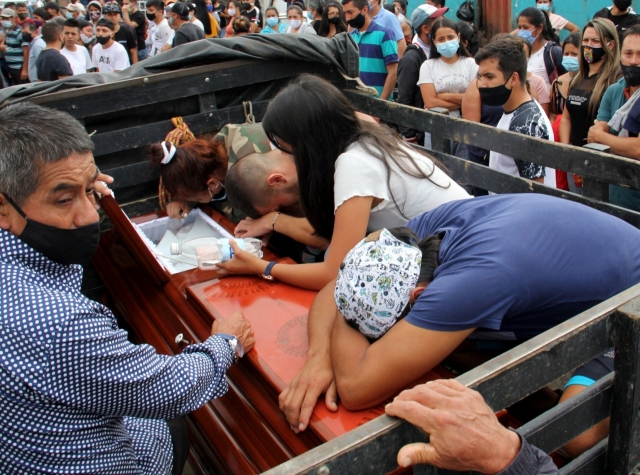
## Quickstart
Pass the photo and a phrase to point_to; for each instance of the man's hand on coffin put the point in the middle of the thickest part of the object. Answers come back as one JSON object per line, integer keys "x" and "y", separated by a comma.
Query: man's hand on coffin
{"x": 243, "y": 262}
{"x": 299, "y": 398}
{"x": 238, "y": 326}
{"x": 464, "y": 433}
{"x": 254, "y": 227}
{"x": 178, "y": 209}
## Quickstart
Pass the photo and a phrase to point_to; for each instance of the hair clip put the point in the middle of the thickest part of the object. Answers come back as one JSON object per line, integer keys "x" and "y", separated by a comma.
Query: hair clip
{"x": 168, "y": 155}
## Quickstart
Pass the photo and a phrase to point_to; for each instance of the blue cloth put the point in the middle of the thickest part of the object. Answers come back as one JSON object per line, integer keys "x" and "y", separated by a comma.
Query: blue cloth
{"x": 517, "y": 265}
{"x": 76, "y": 396}
{"x": 267, "y": 30}
{"x": 390, "y": 22}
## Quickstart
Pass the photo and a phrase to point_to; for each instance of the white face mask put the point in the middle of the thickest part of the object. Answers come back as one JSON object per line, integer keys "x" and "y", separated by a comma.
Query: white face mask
{"x": 295, "y": 24}
{"x": 231, "y": 11}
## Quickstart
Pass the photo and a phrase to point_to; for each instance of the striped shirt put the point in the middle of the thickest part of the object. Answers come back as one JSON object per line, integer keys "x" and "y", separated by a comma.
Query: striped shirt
{"x": 15, "y": 54}
{"x": 378, "y": 48}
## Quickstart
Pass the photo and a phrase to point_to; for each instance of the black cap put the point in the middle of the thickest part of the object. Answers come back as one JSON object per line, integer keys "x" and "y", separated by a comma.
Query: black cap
{"x": 106, "y": 23}
{"x": 181, "y": 9}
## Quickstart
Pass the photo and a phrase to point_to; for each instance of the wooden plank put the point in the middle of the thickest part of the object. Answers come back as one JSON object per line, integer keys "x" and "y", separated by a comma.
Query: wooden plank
{"x": 592, "y": 462}
{"x": 141, "y": 93}
{"x": 567, "y": 420}
{"x": 142, "y": 136}
{"x": 207, "y": 102}
{"x": 498, "y": 182}
{"x": 624, "y": 440}
{"x": 605, "y": 167}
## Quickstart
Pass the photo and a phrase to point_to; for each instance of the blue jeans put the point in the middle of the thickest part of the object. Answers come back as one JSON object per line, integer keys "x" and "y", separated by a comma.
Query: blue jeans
{"x": 143, "y": 54}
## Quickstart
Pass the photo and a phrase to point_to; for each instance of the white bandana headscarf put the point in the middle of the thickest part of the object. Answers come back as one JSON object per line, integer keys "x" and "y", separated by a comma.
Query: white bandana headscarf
{"x": 375, "y": 282}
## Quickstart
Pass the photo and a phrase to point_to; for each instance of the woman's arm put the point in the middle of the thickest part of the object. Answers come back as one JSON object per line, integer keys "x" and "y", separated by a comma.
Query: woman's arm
{"x": 471, "y": 103}
{"x": 571, "y": 28}
{"x": 565, "y": 126}
{"x": 451, "y": 97}
{"x": 352, "y": 218}
{"x": 430, "y": 98}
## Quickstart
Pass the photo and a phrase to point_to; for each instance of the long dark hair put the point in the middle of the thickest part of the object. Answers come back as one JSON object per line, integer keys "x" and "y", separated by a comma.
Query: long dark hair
{"x": 538, "y": 17}
{"x": 471, "y": 35}
{"x": 318, "y": 123}
{"x": 203, "y": 15}
{"x": 446, "y": 23}
{"x": 341, "y": 26}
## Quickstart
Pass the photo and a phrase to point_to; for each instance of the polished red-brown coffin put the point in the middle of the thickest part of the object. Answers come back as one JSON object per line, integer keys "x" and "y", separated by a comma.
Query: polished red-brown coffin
{"x": 243, "y": 432}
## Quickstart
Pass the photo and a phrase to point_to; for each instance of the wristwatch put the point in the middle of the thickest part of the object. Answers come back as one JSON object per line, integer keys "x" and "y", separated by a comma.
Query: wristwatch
{"x": 235, "y": 345}
{"x": 267, "y": 272}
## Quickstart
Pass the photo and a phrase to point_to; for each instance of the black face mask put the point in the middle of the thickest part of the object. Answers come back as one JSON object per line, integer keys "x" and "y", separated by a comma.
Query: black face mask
{"x": 495, "y": 96}
{"x": 26, "y": 37}
{"x": 357, "y": 22}
{"x": 151, "y": 16}
{"x": 622, "y": 5}
{"x": 103, "y": 40}
{"x": 631, "y": 75}
{"x": 334, "y": 20}
{"x": 23, "y": 16}
{"x": 64, "y": 246}
{"x": 592, "y": 54}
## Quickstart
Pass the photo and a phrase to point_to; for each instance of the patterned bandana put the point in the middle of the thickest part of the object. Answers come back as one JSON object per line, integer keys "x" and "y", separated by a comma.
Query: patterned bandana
{"x": 375, "y": 282}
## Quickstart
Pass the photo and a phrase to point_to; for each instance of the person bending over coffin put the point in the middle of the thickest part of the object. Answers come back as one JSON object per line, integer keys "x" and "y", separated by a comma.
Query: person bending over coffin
{"x": 353, "y": 176}
{"x": 493, "y": 268}
{"x": 76, "y": 395}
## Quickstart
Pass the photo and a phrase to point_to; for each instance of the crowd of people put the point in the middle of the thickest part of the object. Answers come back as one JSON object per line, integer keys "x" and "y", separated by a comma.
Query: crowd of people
{"x": 412, "y": 269}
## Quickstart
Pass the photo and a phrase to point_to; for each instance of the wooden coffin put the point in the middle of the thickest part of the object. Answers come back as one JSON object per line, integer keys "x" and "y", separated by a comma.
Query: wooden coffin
{"x": 243, "y": 432}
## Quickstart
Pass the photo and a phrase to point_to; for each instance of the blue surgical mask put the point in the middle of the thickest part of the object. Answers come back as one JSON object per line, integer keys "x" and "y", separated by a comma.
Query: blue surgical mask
{"x": 6, "y": 24}
{"x": 209, "y": 8}
{"x": 543, "y": 6}
{"x": 527, "y": 35}
{"x": 309, "y": 16}
{"x": 571, "y": 64}
{"x": 448, "y": 49}
{"x": 273, "y": 21}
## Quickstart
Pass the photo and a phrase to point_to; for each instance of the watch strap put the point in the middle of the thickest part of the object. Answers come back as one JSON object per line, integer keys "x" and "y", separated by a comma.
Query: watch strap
{"x": 267, "y": 272}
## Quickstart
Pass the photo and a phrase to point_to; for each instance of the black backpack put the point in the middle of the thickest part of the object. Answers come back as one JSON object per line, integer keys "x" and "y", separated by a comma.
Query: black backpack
{"x": 466, "y": 12}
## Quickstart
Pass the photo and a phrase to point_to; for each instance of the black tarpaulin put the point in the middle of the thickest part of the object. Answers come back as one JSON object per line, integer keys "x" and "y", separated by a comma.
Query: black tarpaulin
{"x": 340, "y": 52}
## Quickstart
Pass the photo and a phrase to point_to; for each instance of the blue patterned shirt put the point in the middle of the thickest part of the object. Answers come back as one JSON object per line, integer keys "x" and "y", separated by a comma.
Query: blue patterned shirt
{"x": 75, "y": 395}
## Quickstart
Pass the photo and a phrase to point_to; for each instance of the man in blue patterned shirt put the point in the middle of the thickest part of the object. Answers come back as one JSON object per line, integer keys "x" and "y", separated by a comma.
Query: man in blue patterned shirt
{"x": 75, "y": 395}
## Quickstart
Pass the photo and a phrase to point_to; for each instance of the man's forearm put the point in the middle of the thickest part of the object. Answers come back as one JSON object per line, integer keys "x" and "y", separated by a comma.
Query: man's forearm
{"x": 389, "y": 84}
{"x": 322, "y": 316}
{"x": 623, "y": 146}
{"x": 530, "y": 461}
{"x": 300, "y": 231}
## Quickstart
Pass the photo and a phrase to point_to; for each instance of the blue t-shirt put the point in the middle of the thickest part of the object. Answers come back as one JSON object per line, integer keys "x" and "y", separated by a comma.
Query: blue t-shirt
{"x": 521, "y": 264}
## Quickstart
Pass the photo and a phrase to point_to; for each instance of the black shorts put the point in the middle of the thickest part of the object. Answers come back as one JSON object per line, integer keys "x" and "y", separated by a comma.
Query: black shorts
{"x": 590, "y": 372}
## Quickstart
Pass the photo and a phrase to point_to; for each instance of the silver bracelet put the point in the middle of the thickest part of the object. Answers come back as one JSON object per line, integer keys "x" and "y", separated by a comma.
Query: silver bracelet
{"x": 273, "y": 225}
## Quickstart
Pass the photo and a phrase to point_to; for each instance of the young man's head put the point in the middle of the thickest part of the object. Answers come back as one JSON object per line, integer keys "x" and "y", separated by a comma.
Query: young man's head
{"x": 502, "y": 69}
{"x": 52, "y": 34}
{"x": 622, "y": 6}
{"x": 261, "y": 183}
{"x": 436, "y": 3}
{"x": 423, "y": 17}
{"x": 75, "y": 10}
{"x": 29, "y": 31}
{"x": 71, "y": 34}
{"x": 111, "y": 11}
{"x": 155, "y": 10}
{"x": 130, "y": 5}
{"x": 356, "y": 13}
{"x": 52, "y": 8}
{"x": 630, "y": 56}
{"x": 179, "y": 14}
{"x": 382, "y": 276}
{"x": 22, "y": 11}
{"x": 105, "y": 32}
{"x": 9, "y": 18}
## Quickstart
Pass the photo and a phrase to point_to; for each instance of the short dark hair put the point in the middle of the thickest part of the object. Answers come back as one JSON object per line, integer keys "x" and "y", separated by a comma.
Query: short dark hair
{"x": 510, "y": 55}
{"x": 359, "y": 4}
{"x": 246, "y": 183}
{"x": 52, "y": 6}
{"x": 30, "y": 137}
{"x": 51, "y": 31}
{"x": 157, "y": 4}
{"x": 429, "y": 247}
{"x": 631, "y": 31}
{"x": 72, "y": 23}
{"x": 30, "y": 26}
{"x": 21, "y": 5}
{"x": 105, "y": 22}
{"x": 42, "y": 13}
